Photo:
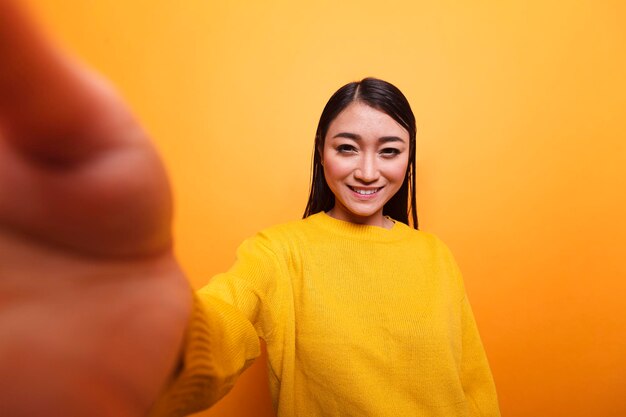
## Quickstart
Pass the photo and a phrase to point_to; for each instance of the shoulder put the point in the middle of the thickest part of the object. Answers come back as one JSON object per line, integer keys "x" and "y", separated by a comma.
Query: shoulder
{"x": 439, "y": 258}
{"x": 429, "y": 248}
{"x": 279, "y": 239}
{"x": 281, "y": 233}
{"x": 424, "y": 239}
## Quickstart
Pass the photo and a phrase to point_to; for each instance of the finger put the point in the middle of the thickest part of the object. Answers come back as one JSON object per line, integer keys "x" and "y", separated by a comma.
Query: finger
{"x": 51, "y": 107}
{"x": 76, "y": 169}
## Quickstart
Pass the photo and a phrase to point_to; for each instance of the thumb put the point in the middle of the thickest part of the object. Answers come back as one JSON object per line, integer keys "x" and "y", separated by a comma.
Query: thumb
{"x": 52, "y": 108}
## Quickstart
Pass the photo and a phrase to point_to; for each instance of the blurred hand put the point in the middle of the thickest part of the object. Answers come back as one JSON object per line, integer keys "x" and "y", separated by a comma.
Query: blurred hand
{"x": 92, "y": 303}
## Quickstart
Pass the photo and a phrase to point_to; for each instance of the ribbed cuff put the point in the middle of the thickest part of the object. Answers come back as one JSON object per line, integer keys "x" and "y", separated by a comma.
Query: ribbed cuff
{"x": 191, "y": 385}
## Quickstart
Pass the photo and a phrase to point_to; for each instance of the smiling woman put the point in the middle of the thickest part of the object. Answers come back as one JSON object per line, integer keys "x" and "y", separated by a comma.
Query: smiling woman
{"x": 520, "y": 159}
{"x": 359, "y": 120}
{"x": 361, "y": 313}
{"x": 365, "y": 159}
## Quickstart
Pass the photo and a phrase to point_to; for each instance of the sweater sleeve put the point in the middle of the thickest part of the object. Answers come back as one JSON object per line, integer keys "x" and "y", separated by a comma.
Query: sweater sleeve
{"x": 215, "y": 351}
{"x": 253, "y": 285}
{"x": 476, "y": 376}
{"x": 222, "y": 337}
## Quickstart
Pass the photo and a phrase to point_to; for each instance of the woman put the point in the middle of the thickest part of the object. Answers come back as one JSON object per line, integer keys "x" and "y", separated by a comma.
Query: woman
{"x": 362, "y": 314}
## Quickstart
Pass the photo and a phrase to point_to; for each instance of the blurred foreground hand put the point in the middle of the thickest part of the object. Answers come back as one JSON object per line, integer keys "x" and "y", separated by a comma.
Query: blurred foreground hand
{"x": 92, "y": 303}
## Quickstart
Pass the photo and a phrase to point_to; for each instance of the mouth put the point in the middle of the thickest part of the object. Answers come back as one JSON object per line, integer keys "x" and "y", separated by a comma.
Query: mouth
{"x": 365, "y": 191}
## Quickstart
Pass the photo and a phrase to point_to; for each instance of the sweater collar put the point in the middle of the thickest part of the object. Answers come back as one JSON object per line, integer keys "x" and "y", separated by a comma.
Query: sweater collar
{"x": 359, "y": 231}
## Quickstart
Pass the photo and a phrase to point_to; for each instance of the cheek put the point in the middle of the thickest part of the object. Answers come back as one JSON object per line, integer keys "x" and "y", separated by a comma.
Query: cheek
{"x": 336, "y": 168}
{"x": 397, "y": 172}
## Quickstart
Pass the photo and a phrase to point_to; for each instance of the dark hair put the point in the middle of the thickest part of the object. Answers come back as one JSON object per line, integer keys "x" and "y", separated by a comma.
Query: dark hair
{"x": 387, "y": 98}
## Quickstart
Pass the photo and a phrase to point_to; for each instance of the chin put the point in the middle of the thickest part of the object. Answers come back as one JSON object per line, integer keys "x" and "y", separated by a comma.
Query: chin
{"x": 365, "y": 215}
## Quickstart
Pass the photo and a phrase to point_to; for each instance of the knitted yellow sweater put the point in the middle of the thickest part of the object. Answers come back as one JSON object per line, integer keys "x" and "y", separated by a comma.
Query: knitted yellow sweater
{"x": 358, "y": 321}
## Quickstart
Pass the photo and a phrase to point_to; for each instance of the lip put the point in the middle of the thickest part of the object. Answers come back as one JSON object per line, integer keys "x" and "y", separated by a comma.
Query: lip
{"x": 372, "y": 192}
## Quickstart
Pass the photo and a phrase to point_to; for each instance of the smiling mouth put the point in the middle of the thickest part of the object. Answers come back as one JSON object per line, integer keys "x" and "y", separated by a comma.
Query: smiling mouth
{"x": 365, "y": 191}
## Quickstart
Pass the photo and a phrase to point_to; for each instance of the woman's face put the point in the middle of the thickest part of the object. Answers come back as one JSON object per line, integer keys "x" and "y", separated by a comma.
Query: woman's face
{"x": 365, "y": 157}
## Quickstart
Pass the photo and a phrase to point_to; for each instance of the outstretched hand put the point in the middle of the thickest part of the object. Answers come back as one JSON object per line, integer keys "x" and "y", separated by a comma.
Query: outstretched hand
{"x": 92, "y": 303}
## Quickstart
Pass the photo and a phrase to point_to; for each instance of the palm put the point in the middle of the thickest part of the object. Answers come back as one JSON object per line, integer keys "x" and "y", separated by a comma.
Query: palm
{"x": 85, "y": 217}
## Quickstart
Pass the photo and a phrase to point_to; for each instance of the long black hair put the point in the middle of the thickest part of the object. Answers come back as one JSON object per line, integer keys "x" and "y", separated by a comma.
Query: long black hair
{"x": 387, "y": 98}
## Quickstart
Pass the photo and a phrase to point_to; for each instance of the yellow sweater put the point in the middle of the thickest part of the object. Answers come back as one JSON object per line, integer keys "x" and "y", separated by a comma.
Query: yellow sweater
{"x": 358, "y": 321}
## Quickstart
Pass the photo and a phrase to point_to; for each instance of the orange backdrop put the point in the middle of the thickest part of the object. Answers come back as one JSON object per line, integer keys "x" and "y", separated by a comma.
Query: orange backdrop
{"x": 521, "y": 153}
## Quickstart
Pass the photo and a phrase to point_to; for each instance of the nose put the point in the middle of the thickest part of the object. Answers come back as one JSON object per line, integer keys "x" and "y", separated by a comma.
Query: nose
{"x": 366, "y": 170}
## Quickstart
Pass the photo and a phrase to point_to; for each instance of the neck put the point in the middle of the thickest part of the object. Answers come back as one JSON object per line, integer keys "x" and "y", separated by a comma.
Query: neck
{"x": 378, "y": 221}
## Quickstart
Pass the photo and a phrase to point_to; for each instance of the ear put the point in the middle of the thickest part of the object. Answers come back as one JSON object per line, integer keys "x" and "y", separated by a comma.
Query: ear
{"x": 320, "y": 151}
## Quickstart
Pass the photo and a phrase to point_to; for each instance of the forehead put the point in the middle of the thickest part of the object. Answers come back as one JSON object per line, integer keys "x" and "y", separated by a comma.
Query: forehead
{"x": 366, "y": 121}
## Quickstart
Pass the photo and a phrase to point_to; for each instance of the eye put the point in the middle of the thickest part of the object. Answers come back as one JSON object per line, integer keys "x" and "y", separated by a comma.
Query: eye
{"x": 345, "y": 148}
{"x": 390, "y": 152}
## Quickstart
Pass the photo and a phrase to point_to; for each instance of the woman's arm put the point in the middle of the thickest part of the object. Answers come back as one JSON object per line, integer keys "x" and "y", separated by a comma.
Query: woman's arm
{"x": 476, "y": 375}
{"x": 93, "y": 306}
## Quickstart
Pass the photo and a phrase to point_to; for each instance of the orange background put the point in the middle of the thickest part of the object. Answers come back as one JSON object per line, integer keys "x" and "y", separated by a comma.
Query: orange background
{"x": 521, "y": 111}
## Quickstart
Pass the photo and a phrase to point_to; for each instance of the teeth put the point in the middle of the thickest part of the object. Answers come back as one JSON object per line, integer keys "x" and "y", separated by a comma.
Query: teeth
{"x": 365, "y": 192}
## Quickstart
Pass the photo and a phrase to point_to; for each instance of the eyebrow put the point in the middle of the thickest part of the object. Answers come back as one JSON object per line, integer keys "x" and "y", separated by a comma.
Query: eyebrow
{"x": 356, "y": 138}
